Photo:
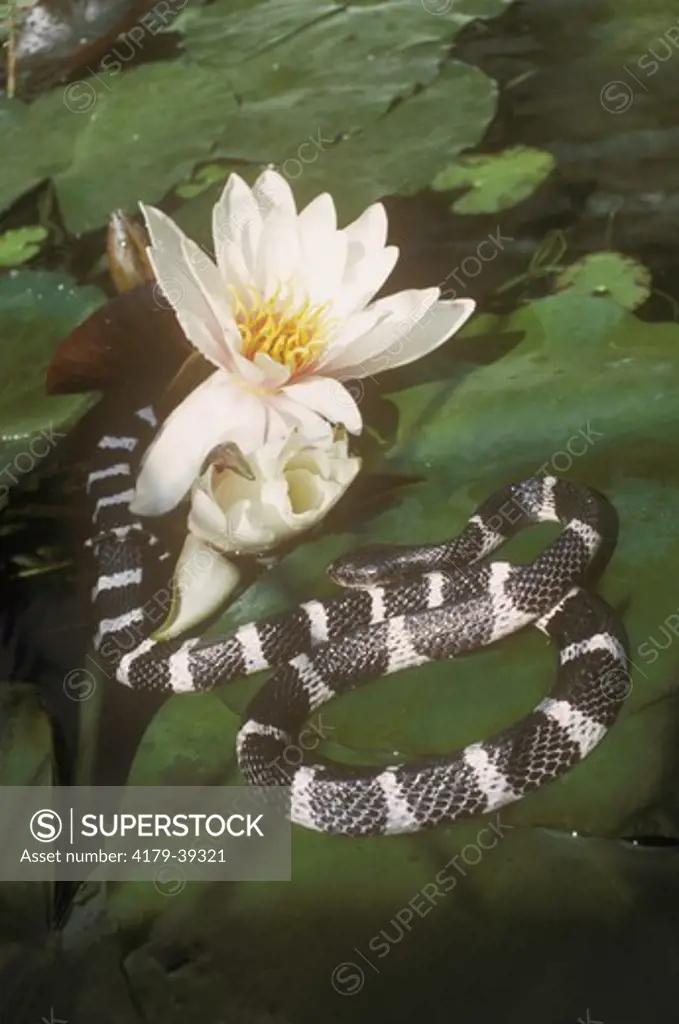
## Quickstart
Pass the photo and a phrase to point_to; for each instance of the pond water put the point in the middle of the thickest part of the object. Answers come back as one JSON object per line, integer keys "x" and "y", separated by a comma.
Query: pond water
{"x": 526, "y": 155}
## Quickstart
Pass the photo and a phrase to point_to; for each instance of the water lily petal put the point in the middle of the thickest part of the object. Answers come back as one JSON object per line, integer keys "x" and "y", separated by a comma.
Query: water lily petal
{"x": 227, "y": 232}
{"x": 221, "y": 516}
{"x": 329, "y": 398}
{"x": 317, "y": 220}
{"x": 443, "y": 321}
{"x": 278, "y": 426}
{"x": 203, "y": 580}
{"x": 274, "y": 375}
{"x": 413, "y": 339}
{"x": 211, "y": 283}
{"x": 206, "y": 518}
{"x": 192, "y": 285}
{"x": 355, "y": 329}
{"x": 367, "y": 234}
{"x": 217, "y": 410}
{"x": 311, "y": 496}
{"x": 322, "y": 269}
{"x": 317, "y": 226}
{"x": 256, "y": 525}
{"x": 388, "y": 321}
{"x": 346, "y": 469}
{"x": 237, "y": 277}
{"x": 237, "y": 219}
{"x": 312, "y": 427}
{"x": 363, "y": 280}
{"x": 278, "y": 261}
{"x": 272, "y": 192}
{"x": 323, "y": 250}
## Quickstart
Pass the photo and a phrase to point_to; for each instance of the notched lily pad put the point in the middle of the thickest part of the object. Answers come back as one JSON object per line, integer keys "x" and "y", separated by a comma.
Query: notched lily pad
{"x": 309, "y": 88}
{"x": 495, "y": 180}
{"x": 610, "y": 274}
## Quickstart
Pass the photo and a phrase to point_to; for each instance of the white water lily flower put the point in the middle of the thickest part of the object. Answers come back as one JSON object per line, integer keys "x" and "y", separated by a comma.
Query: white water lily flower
{"x": 294, "y": 484}
{"x": 284, "y": 315}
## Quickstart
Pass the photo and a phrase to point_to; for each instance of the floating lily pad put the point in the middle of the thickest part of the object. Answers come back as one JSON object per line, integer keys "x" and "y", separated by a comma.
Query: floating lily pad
{"x": 592, "y": 376}
{"x": 495, "y": 181}
{"x": 400, "y": 931}
{"x": 307, "y": 87}
{"x": 21, "y": 245}
{"x": 587, "y": 392}
{"x": 202, "y": 179}
{"x": 625, "y": 280}
{"x": 37, "y": 310}
{"x": 191, "y": 737}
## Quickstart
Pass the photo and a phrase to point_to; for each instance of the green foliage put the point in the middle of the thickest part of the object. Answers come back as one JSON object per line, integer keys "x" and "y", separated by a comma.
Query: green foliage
{"x": 37, "y": 310}
{"x": 584, "y": 373}
{"x": 21, "y": 245}
{"x": 313, "y": 92}
{"x": 494, "y": 181}
{"x": 363, "y": 100}
{"x": 202, "y": 180}
{"x": 627, "y": 281}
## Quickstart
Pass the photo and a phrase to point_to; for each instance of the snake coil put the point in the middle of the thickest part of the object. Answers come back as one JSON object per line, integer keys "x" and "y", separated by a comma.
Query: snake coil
{"x": 401, "y": 607}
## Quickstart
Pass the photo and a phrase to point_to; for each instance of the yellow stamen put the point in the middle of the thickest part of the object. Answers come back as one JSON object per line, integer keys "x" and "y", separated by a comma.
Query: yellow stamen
{"x": 289, "y": 333}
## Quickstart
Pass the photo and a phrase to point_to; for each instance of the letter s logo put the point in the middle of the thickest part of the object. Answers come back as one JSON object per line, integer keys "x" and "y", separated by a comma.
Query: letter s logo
{"x": 45, "y": 826}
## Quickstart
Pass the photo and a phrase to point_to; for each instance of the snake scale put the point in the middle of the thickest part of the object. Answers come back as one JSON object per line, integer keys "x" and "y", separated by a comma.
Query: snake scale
{"x": 400, "y": 607}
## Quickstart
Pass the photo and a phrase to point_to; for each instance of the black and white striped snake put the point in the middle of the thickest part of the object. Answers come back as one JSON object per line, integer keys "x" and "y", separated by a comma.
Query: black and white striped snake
{"x": 401, "y": 607}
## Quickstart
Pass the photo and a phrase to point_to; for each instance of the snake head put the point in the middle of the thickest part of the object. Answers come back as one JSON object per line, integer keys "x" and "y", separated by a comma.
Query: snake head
{"x": 369, "y": 566}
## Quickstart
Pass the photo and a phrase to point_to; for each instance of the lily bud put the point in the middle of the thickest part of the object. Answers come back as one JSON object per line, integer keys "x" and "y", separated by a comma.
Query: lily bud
{"x": 252, "y": 506}
{"x": 293, "y": 483}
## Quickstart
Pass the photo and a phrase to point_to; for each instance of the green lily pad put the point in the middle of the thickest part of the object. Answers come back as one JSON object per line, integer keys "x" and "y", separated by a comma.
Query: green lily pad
{"x": 21, "y": 245}
{"x": 396, "y": 932}
{"x": 369, "y": 166}
{"x": 37, "y": 310}
{"x": 295, "y": 84}
{"x": 495, "y": 181}
{"x": 190, "y": 742}
{"x": 608, "y": 273}
{"x": 202, "y": 180}
{"x": 595, "y": 378}
{"x": 587, "y": 392}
